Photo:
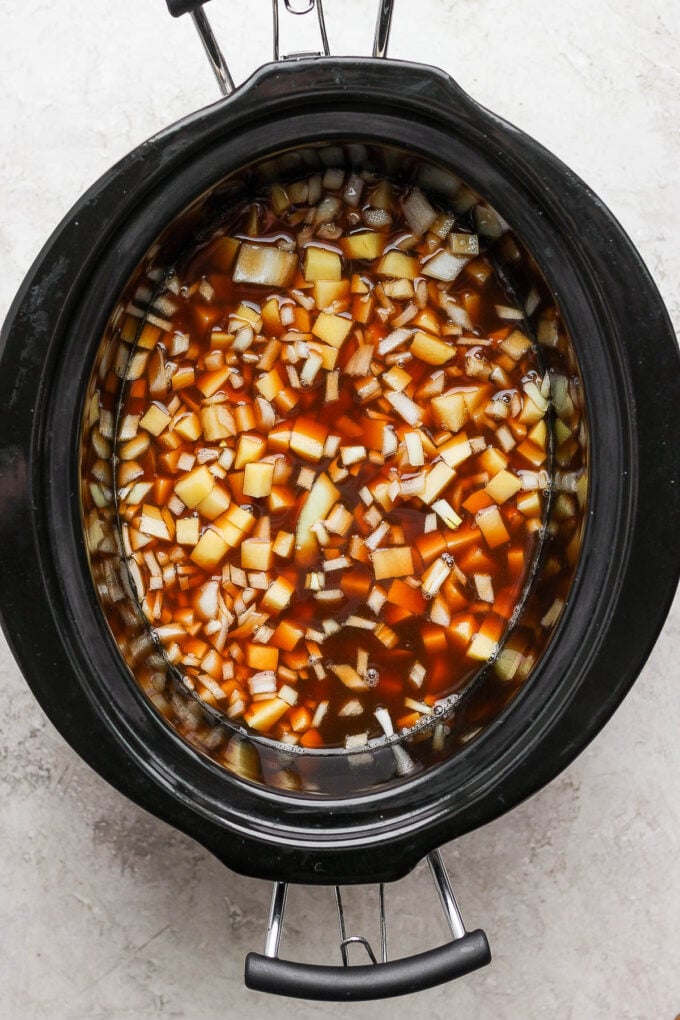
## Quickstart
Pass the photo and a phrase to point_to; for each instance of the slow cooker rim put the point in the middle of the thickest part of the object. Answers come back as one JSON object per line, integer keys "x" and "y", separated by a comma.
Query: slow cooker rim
{"x": 179, "y": 127}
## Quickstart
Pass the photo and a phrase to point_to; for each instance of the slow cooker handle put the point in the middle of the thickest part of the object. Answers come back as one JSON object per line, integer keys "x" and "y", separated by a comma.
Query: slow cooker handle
{"x": 467, "y": 952}
{"x": 218, "y": 61}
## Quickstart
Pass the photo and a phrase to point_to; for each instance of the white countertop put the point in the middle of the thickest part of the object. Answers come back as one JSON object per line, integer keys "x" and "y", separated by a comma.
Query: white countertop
{"x": 106, "y": 912}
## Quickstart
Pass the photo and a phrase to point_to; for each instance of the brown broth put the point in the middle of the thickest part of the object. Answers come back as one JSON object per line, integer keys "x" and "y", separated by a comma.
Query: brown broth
{"x": 446, "y": 651}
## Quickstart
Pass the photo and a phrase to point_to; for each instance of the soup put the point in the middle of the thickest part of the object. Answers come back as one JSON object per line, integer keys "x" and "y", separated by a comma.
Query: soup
{"x": 332, "y": 459}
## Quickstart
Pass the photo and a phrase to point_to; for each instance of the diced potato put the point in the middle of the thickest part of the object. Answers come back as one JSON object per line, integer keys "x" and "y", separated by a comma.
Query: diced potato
{"x": 265, "y": 265}
{"x": 450, "y": 410}
{"x": 436, "y": 480}
{"x": 218, "y": 422}
{"x": 366, "y": 244}
{"x": 153, "y": 523}
{"x": 332, "y": 329}
{"x": 156, "y": 420}
{"x": 396, "y": 378}
{"x": 210, "y": 550}
{"x": 430, "y": 349}
{"x": 258, "y": 479}
{"x": 328, "y": 292}
{"x": 481, "y": 648}
{"x": 194, "y": 487}
{"x": 322, "y": 264}
{"x": 321, "y": 499}
{"x": 516, "y": 344}
{"x": 456, "y": 450}
{"x": 502, "y": 486}
{"x": 261, "y": 657}
{"x": 256, "y": 554}
{"x": 189, "y": 427}
{"x": 263, "y": 715}
{"x": 210, "y": 382}
{"x": 277, "y": 596}
{"x": 490, "y": 523}
{"x": 215, "y": 503}
{"x": 308, "y": 439}
{"x": 187, "y": 532}
{"x": 284, "y": 544}
{"x": 250, "y": 448}
{"x": 508, "y": 662}
{"x": 395, "y": 561}
{"x": 399, "y": 266}
{"x": 529, "y": 503}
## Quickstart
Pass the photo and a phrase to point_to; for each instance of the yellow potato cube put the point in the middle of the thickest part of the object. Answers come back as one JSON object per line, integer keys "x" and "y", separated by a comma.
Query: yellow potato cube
{"x": 250, "y": 448}
{"x": 399, "y": 266}
{"x": 502, "y": 486}
{"x": 210, "y": 550}
{"x": 450, "y": 410}
{"x": 332, "y": 329}
{"x": 308, "y": 439}
{"x": 256, "y": 554}
{"x": 262, "y": 715}
{"x": 395, "y": 561}
{"x": 490, "y": 523}
{"x": 321, "y": 499}
{"x": 481, "y": 648}
{"x": 456, "y": 450}
{"x": 187, "y": 531}
{"x": 529, "y": 503}
{"x": 438, "y": 477}
{"x": 218, "y": 422}
{"x": 156, "y": 420}
{"x": 278, "y": 596}
{"x": 328, "y": 292}
{"x": 516, "y": 344}
{"x": 322, "y": 264}
{"x": 431, "y": 350}
{"x": 215, "y": 503}
{"x": 189, "y": 427}
{"x": 257, "y": 480}
{"x": 153, "y": 524}
{"x": 284, "y": 543}
{"x": 366, "y": 244}
{"x": 194, "y": 487}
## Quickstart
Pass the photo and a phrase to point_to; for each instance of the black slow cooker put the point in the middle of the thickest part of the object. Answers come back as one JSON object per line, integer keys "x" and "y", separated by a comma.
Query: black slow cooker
{"x": 263, "y": 809}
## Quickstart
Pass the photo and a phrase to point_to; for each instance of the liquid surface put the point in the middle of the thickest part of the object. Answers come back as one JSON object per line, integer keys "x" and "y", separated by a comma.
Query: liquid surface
{"x": 332, "y": 455}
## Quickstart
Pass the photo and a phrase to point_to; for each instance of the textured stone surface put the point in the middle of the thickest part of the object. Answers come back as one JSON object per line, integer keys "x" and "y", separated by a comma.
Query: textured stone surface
{"x": 107, "y": 913}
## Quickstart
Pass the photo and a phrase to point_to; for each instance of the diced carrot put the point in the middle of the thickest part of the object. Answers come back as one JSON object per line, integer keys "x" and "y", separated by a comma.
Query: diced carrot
{"x": 396, "y": 614}
{"x": 402, "y": 594}
{"x": 312, "y": 738}
{"x": 356, "y": 583}
{"x": 162, "y": 490}
{"x": 433, "y": 637}
{"x": 477, "y": 501}
{"x": 431, "y": 545}
{"x": 287, "y": 635}
{"x": 463, "y": 537}
{"x": 300, "y": 719}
